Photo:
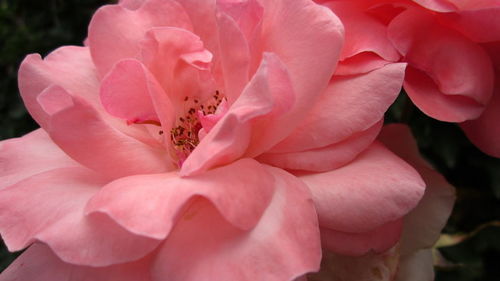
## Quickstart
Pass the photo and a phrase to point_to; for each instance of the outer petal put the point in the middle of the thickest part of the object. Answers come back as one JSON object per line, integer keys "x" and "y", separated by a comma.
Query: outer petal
{"x": 480, "y": 25}
{"x": 58, "y": 219}
{"x": 349, "y": 105}
{"x": 39, "y": 263}
{"x": 373, "y": 190}
{"x": 79, "y": 130}
{"x": 418, "y": 266}
{"x": 150, "y": 205}
{"x": 115, "y": 32}
{"x": 69, "y": 67}
{"x": 29, "y": 155}
{"x": 460, "y": 74}
{"x": 242, "y": 129}
{"x": 282, "y": 246}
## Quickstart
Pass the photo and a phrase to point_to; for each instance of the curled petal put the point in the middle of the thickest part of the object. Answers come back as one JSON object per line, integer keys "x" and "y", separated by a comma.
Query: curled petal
{"x": 228, "y": 253}
{"x": 60, "y": 196}
{"x": 240, "y": 191}
{"x": 374, "y": 189}
{"x": 350, "y": 105}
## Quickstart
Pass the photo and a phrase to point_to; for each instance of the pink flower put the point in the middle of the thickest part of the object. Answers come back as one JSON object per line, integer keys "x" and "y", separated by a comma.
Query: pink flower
{"x": 451, "y": 48}
{"x": 411, "y": 258}
{"x": 201, "y": 140}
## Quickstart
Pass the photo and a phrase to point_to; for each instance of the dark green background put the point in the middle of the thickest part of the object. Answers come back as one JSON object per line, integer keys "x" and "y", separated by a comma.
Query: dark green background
{"x": 41, "y": 26}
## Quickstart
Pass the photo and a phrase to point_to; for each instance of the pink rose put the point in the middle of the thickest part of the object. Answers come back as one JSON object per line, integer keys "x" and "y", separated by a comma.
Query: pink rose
{"x": 201, "y": 140}
{"x": 451, "y": 48}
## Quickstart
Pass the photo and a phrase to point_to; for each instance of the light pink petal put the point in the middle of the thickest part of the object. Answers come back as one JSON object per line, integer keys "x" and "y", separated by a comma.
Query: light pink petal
{"x": 69, "y": 67}
{"x": 282, "y": 246}
{"x": 349, "y": 105}
{"x": 460, "y": 74}
{"x": 247, "y": 14}
{"x": 34, "y": 153}
{"x": 374, "y": 189}
{"x": 49, "y": 207}
{"x": 79, "y": 130}
{"x": 325, "y": 158}
{"x": 308, "y": 38}
{"x": 369, "y": 267}
{"x": 362, "y": 32}
{"x": 377, "y": 240}
{"x": 39, "y": 263}
{"x": 240, "y": 191}
{"x": 236, "y": 56}
{"x": 131, "y": 4}
{"x": 423, "y": 224}
{"x": 181, "y": 64}
{"x": 243, "y": 130}
{"x": 115, "y": 32}
{"x": 419, "y": 266}
{"x": 484, "y": 132}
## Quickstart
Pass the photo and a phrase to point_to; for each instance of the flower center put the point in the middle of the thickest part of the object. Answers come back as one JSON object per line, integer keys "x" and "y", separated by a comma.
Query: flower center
{"x": 185, "y": 133}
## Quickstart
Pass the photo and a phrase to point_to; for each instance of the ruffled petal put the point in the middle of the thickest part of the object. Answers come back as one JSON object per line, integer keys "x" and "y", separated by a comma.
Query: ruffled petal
{"x": 326, "y": 158}
{"x": 480, "y": 25}
{"x": 460, "y": 74}
{"x": 39, "y": 263}
{"x": 34, "y": 153}
{"x": 374, "y": 189}
{"x": 243, "y": 130}
{"x": 349, "y": 105}
{"x": 80, "y": 131}
{"x": 49, "y": 207}
{"x": 68, "y": 67}
{"x": 115, "y": 32}
{"x": 282, "y": 246}
{"x": 240, "y": 192}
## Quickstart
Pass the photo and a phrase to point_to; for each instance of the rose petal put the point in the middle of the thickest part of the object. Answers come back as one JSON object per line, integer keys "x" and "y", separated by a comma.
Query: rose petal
{"x": 34, "y": 153}
{"x": 460, "y": 73}
{"x": 326, "y": 158}
{"x": 240, "y": 192}
{"x": 60, "y": 196}
{"x": 223, "y": 252}
{"x": 68, "y": 67}
{"x": 87, "y": 138}
{"x": 377, "y": 240}
{"x": 115, "y": 32}
{"x": 423, "y": 224}
{"x": 374, "y": 189}
{"x": 417, "y": 267}
{"x": 292, "y": 30}
{"x": 243, "y": 129}
{"x": 349, "y": 105}
{"x": 39, "y": 263}
{"x": 484, "y": 132}
{"x": 479, "y": 25}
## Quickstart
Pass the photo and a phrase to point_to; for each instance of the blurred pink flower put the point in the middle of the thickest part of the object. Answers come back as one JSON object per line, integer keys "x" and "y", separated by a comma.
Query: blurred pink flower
{"x": 201, "y": 140}
{"x": 451, "y": 48}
